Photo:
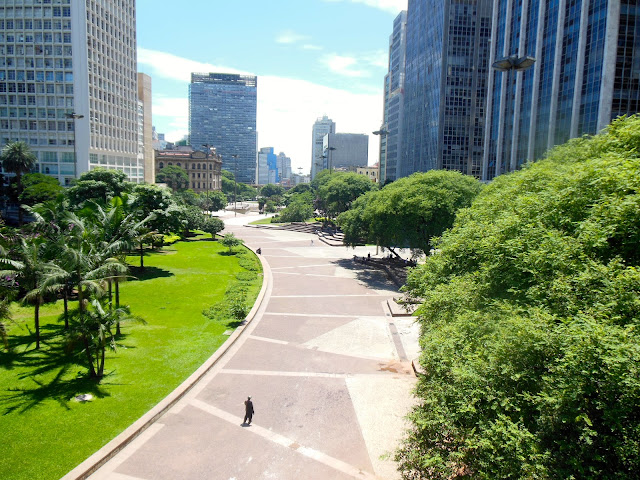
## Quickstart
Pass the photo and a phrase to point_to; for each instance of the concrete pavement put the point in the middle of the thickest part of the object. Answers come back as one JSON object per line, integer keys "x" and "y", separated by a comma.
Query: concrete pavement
{"x": 327, "y": 367}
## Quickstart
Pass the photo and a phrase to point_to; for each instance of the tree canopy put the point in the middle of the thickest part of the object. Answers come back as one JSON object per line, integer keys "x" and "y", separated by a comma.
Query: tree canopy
{"x": 529, "y": 315}
{"x": 337, "y": 191}
{"x": 175, "y": 177}
{"x": 410, "y": 211}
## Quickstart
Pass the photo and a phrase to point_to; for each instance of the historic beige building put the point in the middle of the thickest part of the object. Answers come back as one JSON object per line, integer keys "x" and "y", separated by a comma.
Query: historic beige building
{"x": 203, "y": 169}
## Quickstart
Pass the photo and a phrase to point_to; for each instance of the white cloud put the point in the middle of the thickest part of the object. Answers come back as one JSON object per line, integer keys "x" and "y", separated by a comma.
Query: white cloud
{"x": 287, "y": 108}
{"x": 309, "y": 46}
{"x": 393, "y": 6}
{"x": 289, "y": 36}
{"x": 343, "y": 65}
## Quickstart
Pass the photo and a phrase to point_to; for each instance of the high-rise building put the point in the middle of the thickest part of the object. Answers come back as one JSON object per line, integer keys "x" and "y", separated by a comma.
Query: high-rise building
{"x": 222, "y": 113}
{"x": 145, "y": 129}
{"x": 68, "y": 84}
{"x": 586, "y": 72}
{"x": 321, "y": 127}
{"x": 345, "y": 151}
{"x": 445, "y": 85}
{"x": 391, "y": 135}
{"x": 267, "y": 171}
{"x": 284, "y": 166}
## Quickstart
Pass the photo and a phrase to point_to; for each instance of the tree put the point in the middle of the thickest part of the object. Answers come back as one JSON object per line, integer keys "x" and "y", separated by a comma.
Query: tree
{"x": 271, "y": 190}
{"x": 18, "y": 159}
{"x": 155, "y": 201}
{"x": 213, "y": 225}
{"x": 92, "y": 328}
{"x": 212, "y": 201}
{"x": 529, "y": 318}
{"x": 341, "y": 190}
{"x": 175, "y": 177}
{"x": 28, "y": 269}
{"x": 230, "y": 241}
{"x": 409, "y": 212}
{"x": 39, "y": 188}
{"x": 299, "y": 210}
{"x": 100, "y": 185}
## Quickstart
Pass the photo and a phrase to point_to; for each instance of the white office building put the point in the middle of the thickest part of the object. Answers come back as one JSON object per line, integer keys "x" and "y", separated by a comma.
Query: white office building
{"x": 60, "y": 60}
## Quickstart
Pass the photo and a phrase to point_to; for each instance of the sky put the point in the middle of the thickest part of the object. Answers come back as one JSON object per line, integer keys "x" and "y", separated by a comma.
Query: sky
{"x": 312, "y": 58}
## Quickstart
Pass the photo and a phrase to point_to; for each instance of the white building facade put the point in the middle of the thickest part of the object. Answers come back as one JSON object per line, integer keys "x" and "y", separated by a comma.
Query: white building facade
{"x": 65, "y": 60}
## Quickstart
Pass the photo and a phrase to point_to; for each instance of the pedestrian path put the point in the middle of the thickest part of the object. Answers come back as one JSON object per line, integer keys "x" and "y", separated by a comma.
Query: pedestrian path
{"x": 327, "y": 367}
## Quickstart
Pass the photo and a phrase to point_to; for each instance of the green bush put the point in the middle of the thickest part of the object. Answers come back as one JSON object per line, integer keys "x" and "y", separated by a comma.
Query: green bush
{"x": 530, "y": 314}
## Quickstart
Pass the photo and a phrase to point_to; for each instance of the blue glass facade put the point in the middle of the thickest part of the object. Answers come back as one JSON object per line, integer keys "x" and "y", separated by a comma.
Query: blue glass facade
{"x": 586, "y": 72}
{"x": 445, "y": 85}
{"x": 222, "y": 113}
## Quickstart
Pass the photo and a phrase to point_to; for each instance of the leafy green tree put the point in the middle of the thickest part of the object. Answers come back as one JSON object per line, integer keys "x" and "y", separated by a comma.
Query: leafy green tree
{"x": 271, "y": 190}
{"x": 212, "y": 201}
{"x": 300, "y": 209}
{"x": 39, "y": 188}
{"x": 529, "y": 318}
{"x": 175, "y": 177}
{"x": 230, "y": 241}
{"x": 157, "y": 201}
{"x": 409, "y": 212}
{"x": 213, "y": 225}
{"x": 17, "y": 159}
{"x": 193, "y": 219}
{"x": 99, "y": 185}
{"x": 341, "y": 190}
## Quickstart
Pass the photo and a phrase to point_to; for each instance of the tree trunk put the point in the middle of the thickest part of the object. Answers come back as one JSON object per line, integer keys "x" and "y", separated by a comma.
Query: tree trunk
{"x": 117, "y": 305}
{"x": 141, "y": 254}
{"x": 110, "y": 295}
{"x": 103, "y": 348}
{"x": 37, "y": 321}
{"x": 65, "y": 298}
{"x": 19, "y": 183}
{"x": 92, "y": 370}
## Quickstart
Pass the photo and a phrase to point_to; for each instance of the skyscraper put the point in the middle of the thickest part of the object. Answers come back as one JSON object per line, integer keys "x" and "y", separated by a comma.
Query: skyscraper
{"x": 391, "y": 141}
{"x": 587, "y": 72}
{"x": 345, "y": 151}
{"x": 145, "y": 128}
{"x": 222, "y": 113}
{"x": 321, "y": 127}
{"x": 68, "y": 76}
{"x": 445, "y": 85}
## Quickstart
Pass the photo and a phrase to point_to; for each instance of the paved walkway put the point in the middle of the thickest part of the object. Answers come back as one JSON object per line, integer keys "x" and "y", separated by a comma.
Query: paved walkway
{"x": 327, "y": 366}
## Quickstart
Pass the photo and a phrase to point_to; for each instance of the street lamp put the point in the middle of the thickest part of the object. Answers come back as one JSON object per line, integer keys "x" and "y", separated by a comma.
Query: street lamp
{"x": 383, "y": 132}
{"x": 74, "y": 116}
{"x": 512, "y": 63}
{"x": 235, "y": 185}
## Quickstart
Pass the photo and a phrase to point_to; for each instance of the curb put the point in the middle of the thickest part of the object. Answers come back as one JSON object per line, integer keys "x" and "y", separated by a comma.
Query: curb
{"x": 106, "y": 453}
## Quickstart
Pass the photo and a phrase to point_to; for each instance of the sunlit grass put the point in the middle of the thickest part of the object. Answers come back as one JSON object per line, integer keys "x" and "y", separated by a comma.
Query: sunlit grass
{"x": 44, "y": 433}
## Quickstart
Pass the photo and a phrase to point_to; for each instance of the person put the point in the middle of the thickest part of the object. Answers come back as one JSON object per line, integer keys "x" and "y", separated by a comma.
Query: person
{"x": 248, "y": 411}
{"x": 312, "y": 242}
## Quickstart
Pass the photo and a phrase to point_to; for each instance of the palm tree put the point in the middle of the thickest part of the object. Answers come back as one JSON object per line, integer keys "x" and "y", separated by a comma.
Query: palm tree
{"x": 17, "y": 158}
{"x": 29, "y": 270}
{"x": 93, "y": 329}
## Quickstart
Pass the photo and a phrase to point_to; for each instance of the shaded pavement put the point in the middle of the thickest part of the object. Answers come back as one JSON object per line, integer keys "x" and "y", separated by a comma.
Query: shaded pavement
{"x": 327, "y": 366}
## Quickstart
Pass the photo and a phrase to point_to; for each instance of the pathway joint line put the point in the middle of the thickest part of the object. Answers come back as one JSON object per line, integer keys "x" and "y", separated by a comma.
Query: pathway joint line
{"x": 268, "y": 340}
{"x": 286, "y": 442}
{"x": 272, "y": 373}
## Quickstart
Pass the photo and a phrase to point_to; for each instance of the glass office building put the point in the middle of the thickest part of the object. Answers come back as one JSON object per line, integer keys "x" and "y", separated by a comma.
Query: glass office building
{"x": 222, "y": 113}
{"x": 61, "y": 58}
{"x": 587, "y": 72}
{"x": 445, "y": 85}
{"x": 321, "y": 127}
{"x": 391, "y": 141}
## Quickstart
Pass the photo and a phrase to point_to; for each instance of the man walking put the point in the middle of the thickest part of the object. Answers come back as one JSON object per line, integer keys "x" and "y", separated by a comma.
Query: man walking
{"x": 248, "y": 411}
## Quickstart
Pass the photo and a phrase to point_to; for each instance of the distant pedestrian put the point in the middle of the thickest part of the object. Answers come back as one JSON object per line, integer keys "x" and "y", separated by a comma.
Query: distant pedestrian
{"x": 312, "y": 242}
{"x": 248, "y": 411}
{"x": 368, "y": 256}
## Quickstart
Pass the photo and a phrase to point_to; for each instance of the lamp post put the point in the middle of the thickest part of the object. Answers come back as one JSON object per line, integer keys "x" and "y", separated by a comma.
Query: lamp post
{"x": 383, "y": 132}
{"x": 512, "y": 63}
{"x": 235, "y": 185}
{"x": 74, "y": 116}
{"x": 206, "y": 169}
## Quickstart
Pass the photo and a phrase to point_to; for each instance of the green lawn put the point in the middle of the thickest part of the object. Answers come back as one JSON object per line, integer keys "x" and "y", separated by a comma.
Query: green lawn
{"x": 44, "y": 433}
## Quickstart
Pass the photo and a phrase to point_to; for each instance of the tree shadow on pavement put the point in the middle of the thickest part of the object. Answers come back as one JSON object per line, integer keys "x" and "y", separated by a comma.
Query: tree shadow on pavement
{"x": 371, "y": 277}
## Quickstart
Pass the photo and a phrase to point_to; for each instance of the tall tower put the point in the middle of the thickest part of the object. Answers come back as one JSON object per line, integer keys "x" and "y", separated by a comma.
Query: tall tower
{"x": 445, "y": 85}
{"x": 222, "y": 113}
{"x": 321, "y": 127}
{"x": 391, "y": 141}
{"x": 586, "y": 73}
{"x": 68, "y": 85}
{"x": 145, "y": 128}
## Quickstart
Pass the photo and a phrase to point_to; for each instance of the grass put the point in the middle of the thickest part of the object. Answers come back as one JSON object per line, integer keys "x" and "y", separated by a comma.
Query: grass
{"x": 44, "y": 433}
